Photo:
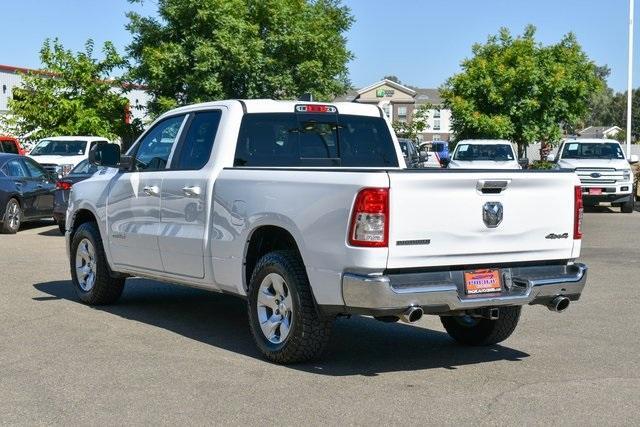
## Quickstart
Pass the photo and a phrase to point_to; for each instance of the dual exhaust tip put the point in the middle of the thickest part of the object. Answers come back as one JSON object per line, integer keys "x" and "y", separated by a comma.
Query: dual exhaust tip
{"x": 414, "y": 313}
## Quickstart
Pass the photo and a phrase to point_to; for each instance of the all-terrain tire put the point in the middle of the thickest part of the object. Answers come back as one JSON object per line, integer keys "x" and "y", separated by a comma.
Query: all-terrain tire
{"x": 106, "y": 289}
{"x": 480, "y": 332}
{"x": 309, "y": 332}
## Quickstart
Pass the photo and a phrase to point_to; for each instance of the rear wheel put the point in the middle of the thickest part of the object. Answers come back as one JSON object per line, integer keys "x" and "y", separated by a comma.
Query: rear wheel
{"x": 478, "y": 331}
{"x": 284, "y": 322}
{"x": 90, "y": 272}
{"x": 12, "y": 217}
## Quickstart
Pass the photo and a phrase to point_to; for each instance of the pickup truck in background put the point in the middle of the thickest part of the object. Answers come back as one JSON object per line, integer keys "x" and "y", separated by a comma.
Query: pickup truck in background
{"x": 604, "y": 172}
{"x": 60, "y": 154}
{"x": 308, "y": 211}
{"x": 483, "y": 154}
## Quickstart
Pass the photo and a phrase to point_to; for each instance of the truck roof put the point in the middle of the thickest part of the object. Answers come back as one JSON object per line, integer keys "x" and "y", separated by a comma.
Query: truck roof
{"x": 273, "y": 106}
{"x": 75, "y": 138}
{"x": 592, "y": 140}
{"x": 485, "y": 141}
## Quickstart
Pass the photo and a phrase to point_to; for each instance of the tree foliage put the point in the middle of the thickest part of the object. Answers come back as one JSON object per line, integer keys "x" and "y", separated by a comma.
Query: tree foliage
{"x": 71, "y": 96}
{"x": 418, "y": 123}
{"x": 515, "y": 88}
{"x": 240, "y": 49}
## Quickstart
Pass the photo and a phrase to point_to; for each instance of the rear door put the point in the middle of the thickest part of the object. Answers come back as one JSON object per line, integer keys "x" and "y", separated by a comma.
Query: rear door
{"x": 42, "y": 186}
{"x": 185, "y": 192}
{"x": 444, "y": 218}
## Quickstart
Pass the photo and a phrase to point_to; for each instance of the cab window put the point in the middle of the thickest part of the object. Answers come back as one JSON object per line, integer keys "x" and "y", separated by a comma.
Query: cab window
{"x": 198, "y": 143}
{"x": 154, "y": 150}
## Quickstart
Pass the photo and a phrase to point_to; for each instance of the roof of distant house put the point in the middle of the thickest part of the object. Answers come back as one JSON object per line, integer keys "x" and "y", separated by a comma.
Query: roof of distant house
{"x": 421, "y": 95}
{"x": 23, "y": 70}
{"x": 598, "y": 131}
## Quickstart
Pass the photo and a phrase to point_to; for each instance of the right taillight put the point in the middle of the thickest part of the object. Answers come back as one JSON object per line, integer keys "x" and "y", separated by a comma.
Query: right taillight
{"x": 370, "y": 219}
{"x": 64, "y": 185}
{"x": 578, "y": 212}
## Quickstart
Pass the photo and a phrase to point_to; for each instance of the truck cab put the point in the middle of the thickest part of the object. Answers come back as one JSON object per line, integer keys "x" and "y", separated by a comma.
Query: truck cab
{"x": 484, "y": 154}
{"x": 604, "y": 171}
{"x": 60, "y": 154}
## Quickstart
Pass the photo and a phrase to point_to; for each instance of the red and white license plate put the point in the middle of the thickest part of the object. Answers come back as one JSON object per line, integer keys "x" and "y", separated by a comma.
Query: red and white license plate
{"x": 482, "y": 281}
{"x": 595, "y": 191}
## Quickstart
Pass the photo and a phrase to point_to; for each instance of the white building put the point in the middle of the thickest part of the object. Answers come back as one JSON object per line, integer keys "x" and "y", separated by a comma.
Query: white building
{"x": 399, "y": 102}
{"x": 11, "y": 77}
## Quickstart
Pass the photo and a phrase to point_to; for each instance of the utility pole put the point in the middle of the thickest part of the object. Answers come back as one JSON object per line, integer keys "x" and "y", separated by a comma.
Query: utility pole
{"x": 630, "y": 78}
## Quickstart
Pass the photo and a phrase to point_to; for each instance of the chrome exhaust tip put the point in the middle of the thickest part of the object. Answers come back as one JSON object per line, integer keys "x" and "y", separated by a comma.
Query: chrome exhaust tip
{"x": 559, "y": 304}
{"x": 413, "y": 314}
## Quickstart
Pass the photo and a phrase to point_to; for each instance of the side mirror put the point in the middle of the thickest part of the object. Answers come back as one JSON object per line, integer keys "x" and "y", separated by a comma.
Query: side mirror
{"x": 105, "y": 155}
{"x": 633, "y": 158}
{"x": 551, "y": 157}
{"x": 424, "y": 156}
{"x": 524, "y": 163}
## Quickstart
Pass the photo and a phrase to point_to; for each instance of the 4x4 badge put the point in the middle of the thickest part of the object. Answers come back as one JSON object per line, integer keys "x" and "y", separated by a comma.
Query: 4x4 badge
{"x": 492, "y": 213}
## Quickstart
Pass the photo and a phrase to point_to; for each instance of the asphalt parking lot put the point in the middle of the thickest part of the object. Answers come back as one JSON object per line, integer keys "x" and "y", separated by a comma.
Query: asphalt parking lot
{"x": 168, "y": 355}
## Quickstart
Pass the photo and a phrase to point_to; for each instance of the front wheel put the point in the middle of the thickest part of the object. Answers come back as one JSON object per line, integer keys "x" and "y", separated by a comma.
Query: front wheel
{"x": 12, "y": 217}
{"x": 90, "y": 272}
{"x": 284, "y": 322}
{"x": 478, "y": 331}
{"x": 627, "y": 207}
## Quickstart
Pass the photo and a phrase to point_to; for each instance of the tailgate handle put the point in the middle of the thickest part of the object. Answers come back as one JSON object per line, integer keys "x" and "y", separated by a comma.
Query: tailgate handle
{"x": 492, "y": 186}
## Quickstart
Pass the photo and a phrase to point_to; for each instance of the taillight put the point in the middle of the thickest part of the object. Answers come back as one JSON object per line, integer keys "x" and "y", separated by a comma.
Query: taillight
{"x": 63, "y": 185}
{"x": 370, "y": 218}
{"x": 577, "y": 213}
{"x": 316, "y": 108}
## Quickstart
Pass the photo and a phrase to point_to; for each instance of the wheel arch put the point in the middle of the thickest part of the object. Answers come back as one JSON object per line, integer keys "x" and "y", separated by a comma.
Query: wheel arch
{"x": 262, "y": 240}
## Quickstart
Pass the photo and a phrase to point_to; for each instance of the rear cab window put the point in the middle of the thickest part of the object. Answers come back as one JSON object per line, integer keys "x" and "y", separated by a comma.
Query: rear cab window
{"x": 312, "y": 140}
{"x": 8, "y": 147}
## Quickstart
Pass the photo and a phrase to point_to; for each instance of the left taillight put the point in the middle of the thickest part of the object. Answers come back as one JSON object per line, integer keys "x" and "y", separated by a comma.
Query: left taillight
{"x": 370, "y": 218}
{"x": 63, "y": 185}
{"x": 578, "y": 212}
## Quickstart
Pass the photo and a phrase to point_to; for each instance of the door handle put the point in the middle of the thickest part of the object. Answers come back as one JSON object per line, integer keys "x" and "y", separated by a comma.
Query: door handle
{"x": 191, "y": 191}
{"x": 151, "y": 190}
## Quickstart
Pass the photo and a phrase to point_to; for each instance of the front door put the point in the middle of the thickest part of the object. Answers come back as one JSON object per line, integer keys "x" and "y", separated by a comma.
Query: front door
{"x": 17, "y": 172}
{"x": 133, "y": 208}
{"x": 185, "y": 197}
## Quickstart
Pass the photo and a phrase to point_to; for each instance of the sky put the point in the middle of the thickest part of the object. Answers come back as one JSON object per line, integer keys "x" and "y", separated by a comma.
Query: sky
{"x": 420, "y": 41}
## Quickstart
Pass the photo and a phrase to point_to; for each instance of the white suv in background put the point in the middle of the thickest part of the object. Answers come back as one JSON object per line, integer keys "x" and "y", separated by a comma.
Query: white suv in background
{"x": 60, "y": 154}
{"x": 484, "y": 154}
{"x": 604, "y": 171}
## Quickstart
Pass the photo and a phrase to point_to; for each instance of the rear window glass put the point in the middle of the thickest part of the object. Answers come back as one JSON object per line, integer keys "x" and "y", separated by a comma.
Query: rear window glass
{"x": 9, "y": 147}
{"x": 283, "y": 139}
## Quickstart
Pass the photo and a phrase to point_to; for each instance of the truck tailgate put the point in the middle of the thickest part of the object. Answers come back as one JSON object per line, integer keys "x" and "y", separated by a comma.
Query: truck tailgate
{"x": 436, "y": 218}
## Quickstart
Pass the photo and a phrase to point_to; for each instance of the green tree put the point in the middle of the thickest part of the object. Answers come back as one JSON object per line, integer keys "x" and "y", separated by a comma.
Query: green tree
{"x": 71, "y": 96}
{"x": 240, "y": 49}
{"x": 515, "y": 88}
{"x": 418, "y": 123}
{"x": 393, "y": 78}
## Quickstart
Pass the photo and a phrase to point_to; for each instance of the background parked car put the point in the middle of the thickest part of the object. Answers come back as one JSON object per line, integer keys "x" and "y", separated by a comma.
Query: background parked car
{"x": 484, "y": 154}
{"x": 430, "y": 159}
{"x": 410, "y": 153}
{"x": 60, "y": 154}
{"x": 11, "y": 145}
{"x": 81, "y": 172}
{"x": 26, "y": 192}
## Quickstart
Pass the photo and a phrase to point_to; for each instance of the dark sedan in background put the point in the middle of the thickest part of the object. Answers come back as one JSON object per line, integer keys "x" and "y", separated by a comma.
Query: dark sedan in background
{"x": 82, "y": 171}
{"x": 26, "y": 192}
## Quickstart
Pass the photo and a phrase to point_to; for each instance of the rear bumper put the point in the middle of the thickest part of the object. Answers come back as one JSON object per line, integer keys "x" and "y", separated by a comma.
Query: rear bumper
{"x": 443, "y": 291}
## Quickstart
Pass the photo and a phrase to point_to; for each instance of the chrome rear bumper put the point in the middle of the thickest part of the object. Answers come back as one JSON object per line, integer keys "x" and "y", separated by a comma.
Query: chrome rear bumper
{"x": 443, "y": 291}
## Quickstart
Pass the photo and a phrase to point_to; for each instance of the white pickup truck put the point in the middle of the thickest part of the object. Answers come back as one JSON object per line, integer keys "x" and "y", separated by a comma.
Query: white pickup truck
{"x": 60, "y": 154}
{"x": 307, "y": 211}
{"x": 604, "y": 172}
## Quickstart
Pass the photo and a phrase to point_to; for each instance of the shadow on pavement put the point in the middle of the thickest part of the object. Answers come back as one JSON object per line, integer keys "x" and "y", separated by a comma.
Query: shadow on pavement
{"x": 359, "y": 346}
{"x": 54, "y": 232}
{"x": 29, "y": 225}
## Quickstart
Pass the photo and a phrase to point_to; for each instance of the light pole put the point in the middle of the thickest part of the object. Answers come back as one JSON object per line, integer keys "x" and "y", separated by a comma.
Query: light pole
{"x": 630, "y": 78}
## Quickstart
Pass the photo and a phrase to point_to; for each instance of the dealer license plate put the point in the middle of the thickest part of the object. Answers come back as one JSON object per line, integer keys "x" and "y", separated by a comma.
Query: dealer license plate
{"x": 595, "y": 191}
{"x": 482, "y": 281}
